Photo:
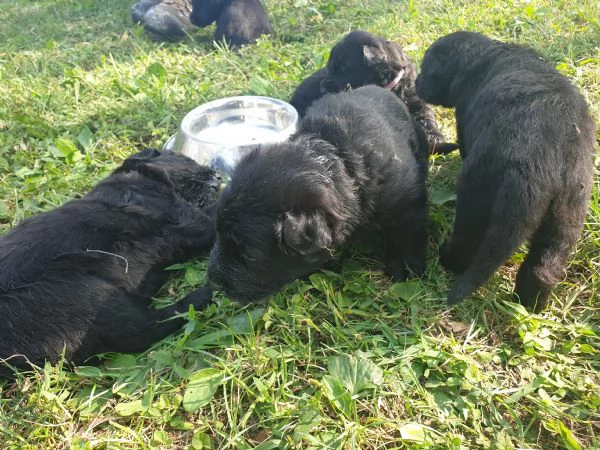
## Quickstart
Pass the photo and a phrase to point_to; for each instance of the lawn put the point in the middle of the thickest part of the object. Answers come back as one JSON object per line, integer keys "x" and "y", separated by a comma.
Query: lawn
{"x": 346, "y": 359}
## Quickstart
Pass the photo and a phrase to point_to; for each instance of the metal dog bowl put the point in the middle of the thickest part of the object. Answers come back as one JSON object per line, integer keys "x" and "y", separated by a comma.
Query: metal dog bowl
{"x": 218, "y": 133}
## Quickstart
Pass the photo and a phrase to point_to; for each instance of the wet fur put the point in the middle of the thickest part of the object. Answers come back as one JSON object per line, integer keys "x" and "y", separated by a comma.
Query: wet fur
{"x": 239, "y": 22}
{"x": 526, "y": 138}
{"x": 357, "y": 162}
{"x": 80, "y": 278}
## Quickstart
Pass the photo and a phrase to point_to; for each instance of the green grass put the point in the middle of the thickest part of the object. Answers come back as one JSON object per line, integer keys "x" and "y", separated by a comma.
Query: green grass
{"x": 345, "y": 360}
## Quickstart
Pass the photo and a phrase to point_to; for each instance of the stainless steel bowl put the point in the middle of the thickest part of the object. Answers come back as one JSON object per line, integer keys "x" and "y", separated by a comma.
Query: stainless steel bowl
{"x": 219, "y": 133}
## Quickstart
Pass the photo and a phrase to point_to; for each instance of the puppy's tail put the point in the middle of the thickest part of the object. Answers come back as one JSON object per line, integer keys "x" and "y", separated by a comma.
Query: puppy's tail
{"x": 512, "y": 221}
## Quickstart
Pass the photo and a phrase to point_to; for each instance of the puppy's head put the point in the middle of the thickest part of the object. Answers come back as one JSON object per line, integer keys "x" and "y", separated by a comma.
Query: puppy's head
{"x": 205, "y": 12}
{"x": 278, "y": 219}
{"x": 362, "y": 58}
{"x": 196, "y": 184}
{"x": 446, "y": 69}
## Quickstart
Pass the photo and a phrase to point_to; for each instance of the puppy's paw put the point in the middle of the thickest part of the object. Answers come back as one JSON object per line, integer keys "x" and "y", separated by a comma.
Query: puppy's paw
{"x": 450, "y": 259}
{"x": 200, "y": 298}
{"x": 453, "y": 300}
{"x": 456, "y": 295}
{"x": 533, "y": 301}
{"x": 400, "y": 269}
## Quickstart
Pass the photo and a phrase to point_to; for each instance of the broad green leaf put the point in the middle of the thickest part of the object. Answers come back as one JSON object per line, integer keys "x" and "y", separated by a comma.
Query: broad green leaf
{"x": 179, "y": 424}
{"x": 320, "y": 282}
{"x": 123, "y": 362}
{"x": 80, "y": 444}
{"x": 85, "y": 138}
{"x": 162, "y": 356}
{"x": 503, "y": 441}
{"x": 162, "y": 437}
{"x": 201, "y": 388}
{"x": 217, "y": 338}
{"x": 200, "y": 441}
{"x": 338, "y": 396}
{"x": 157, "y": 70}
{"x": 130, "y": 408}
{"x": 65, "y": 147}
{"x": 88, "y": 372}
{"x": 406, "y": 290}
{"x": 193, "y": 276}
{"x": 355, "y": 374}
{"x": 244, "y": 322}
{"x": 269, "y": 444}
{"x": 414, "y": 432}
{"x": 309, "y": 420}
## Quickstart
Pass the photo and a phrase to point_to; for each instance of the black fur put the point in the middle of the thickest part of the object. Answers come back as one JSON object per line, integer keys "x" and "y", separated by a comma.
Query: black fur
{"x": 356, "y": 161}
{"x": 79, "y": 278}
{"x": 362, "y": 58}
{"x": 526, "y": 138}
{"x": 308, "y": 91}
{"x": 239, "y": 22}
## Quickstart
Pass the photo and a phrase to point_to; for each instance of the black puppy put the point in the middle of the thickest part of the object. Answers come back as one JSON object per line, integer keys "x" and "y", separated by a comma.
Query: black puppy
{"x": 356, "y": 161}
{"x": 526, "y": 137}
{"x": 79, "y": 278}
{"x": 362, "y": 58}
{"x": 239, "y": 22}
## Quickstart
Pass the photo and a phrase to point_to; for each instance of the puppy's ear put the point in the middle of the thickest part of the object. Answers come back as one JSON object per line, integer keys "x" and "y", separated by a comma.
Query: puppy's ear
{"x": 146, "y": 153}
{"x": 142, "y": 163}
{"x": 138, "y": 159}
{"x": 373, "y": 55}
{"x": 303, "y": 233}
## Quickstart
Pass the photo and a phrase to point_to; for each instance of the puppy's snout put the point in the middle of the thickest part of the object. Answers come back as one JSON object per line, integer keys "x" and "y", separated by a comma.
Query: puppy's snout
{"x": 419, "y": 85}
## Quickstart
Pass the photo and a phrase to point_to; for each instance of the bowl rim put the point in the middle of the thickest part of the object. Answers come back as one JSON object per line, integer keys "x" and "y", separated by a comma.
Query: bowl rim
{"x": 292, "y": 112}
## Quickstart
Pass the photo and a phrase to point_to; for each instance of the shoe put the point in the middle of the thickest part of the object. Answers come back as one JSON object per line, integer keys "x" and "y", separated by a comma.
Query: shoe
{"x": 139, "y": 10}
{"x": 169, "y": 19}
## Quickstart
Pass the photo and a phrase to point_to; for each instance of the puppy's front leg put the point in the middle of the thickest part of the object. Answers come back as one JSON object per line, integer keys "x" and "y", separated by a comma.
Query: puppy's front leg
{"x": 193, "y": 236}
{"x": 406, "y": 241}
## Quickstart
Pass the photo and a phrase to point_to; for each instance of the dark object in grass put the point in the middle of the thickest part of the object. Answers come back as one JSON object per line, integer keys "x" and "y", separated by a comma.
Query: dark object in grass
{"x": 239, "y": 22}
{"x": 80, "y": 278}
{"x": 362, "y": 58}
{"x": 526, "y": 137}
{"x": 139, "y": 9}
{"x": 357, "y": 161}
{"x": 168, "y": 19}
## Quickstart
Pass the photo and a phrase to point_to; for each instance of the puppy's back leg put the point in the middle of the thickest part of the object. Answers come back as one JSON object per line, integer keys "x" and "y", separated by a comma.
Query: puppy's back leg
{"x": 136, "y": 327}
{"x": 473, "y": 208}
{"x": 549, "y": 250}
{"x": 512, "y": 220}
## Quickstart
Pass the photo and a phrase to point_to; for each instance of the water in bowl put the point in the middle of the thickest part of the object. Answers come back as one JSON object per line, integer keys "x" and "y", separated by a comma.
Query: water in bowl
{"x": 238, "y": 134}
